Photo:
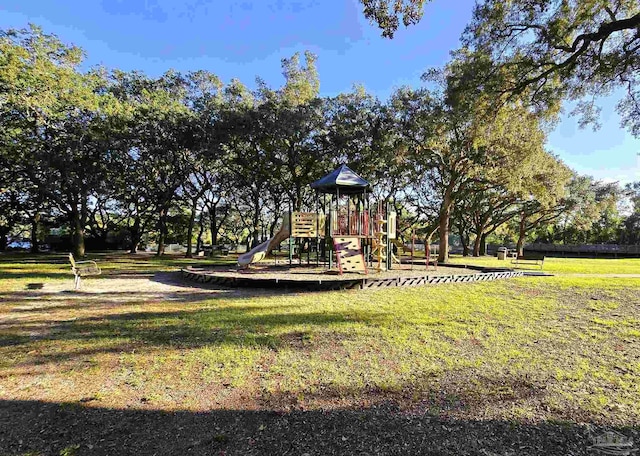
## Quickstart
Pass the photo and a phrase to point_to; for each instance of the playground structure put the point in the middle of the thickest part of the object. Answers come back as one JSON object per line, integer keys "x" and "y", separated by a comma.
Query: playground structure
{"x": 345, "y": 225}
{"x": 347, "y": 230}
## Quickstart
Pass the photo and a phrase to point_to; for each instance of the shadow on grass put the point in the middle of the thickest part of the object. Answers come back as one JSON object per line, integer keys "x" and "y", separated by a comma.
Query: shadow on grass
{"x": 268, "y": 325}
{"x": 33, "y": 427}
{"x": 48, "y": 266}
{"x": 112, "y": 257}
{"x": 37, "y": 297}
{"x": 30, "y": 302}
{"x": 140, "y": 272}
{"x": 54, "y": 275}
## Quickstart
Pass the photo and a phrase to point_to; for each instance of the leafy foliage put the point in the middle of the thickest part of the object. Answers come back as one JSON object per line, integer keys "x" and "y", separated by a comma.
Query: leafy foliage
{"x": 136, "y": 161}
{"x": 553, "y": 50}
{"x": 387, "y": 14}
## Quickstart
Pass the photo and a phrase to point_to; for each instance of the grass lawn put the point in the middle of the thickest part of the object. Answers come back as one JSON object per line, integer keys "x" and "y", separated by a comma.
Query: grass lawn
{"x": 563, "y": 265}
{"x": 139, "y": 362}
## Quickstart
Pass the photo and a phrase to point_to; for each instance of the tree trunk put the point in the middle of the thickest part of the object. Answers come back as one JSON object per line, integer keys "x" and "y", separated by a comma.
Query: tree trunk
{"x": 162, "y": 231}
{"x": 272, "y": 226}
{"x": 34, "y": 233}
{"x": 464, "y": 240}
{"x": 521, "y": 235}
{"x": 480, "y": 227}
{"x": 84, "y": 215}
{"x": 192, "y": 222}
{"x": 214, "y": 224}
{"x": 256, "y": 221}
{"x": 4, "y": 240}
{"x": 476, "y": 245}
{"x": 77, "y": 234}
{"x": 445, "y": 214}
{"x": 298, "y": 203}
{"x": 136, "y": 235}
{"x": 483, "y": 244}
{"x": 200, "y": 232}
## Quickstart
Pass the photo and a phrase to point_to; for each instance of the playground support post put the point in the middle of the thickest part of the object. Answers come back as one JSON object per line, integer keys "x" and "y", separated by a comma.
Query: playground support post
{"x": 427, "y": 252}
{"x": 388, "y": 240}
{"x": 349, "y": 216}
{"x": 337, "y": 221}
{"x": 413, "y": 243}
{"x": 317, "y": 230}
{"x": 290, "y": 236}
{"x": 327, "y": 228}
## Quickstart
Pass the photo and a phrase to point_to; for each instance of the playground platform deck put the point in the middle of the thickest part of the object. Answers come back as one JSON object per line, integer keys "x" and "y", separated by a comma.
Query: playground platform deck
{"x": 315, "y": 279}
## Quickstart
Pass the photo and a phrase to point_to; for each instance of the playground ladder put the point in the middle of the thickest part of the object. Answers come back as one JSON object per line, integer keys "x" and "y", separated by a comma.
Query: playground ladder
{"x": 380, "y": 244}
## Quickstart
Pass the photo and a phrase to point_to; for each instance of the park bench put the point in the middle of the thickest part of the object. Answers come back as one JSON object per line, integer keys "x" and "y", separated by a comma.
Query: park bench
{"x": 535, "y": 259}
{"x": 220, "y": 249}
{"x": 82, "y": 269}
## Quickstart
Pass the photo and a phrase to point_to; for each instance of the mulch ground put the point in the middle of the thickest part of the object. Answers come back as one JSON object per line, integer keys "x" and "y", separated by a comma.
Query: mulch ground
{"x": 270, "y": 271}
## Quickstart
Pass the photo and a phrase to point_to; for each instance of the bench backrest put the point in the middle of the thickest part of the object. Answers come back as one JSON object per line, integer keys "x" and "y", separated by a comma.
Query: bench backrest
{"x": 72, "y": 261}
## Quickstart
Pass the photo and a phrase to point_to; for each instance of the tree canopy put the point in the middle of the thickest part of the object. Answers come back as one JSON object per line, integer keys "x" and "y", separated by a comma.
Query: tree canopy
{"x": 388, "y": 14}
{"x": 554, "y": 50}
{"x": 545, "y": 51}
{"x": 126, "y": 160}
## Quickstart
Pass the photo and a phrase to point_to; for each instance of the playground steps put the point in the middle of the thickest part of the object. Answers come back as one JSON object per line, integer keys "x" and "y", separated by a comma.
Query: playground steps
{"x": 349, "y": 254}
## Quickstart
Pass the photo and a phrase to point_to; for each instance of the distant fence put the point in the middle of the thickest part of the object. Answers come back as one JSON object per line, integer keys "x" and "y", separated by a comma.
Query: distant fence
{"x": 586, "y": 249}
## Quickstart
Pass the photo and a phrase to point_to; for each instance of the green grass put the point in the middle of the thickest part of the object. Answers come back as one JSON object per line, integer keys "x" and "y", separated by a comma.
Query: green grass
{"x": 529, "y": 349}
{"x": 19, "y": 269}
{"x": 562, "y": 265}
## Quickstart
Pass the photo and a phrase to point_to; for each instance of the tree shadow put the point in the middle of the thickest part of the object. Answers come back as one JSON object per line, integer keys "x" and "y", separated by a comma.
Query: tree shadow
{"x": 35, "y": 427}
{"x": 10, "y": 275}
{"x": 268, "y": 325}
{"x": 114, "y": 264}
{"x": 92, "y": 295}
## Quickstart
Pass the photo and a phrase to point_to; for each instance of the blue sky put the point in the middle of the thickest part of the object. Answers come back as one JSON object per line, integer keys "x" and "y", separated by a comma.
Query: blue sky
{"x": 245, "y": 39}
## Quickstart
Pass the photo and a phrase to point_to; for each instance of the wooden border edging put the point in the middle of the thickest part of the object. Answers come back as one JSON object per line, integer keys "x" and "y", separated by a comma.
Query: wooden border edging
{"x": 343, "y": 284}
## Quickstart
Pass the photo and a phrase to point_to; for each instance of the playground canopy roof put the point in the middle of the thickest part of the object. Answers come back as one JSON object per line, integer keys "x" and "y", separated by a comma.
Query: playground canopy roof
{"x": 343, "y": 180}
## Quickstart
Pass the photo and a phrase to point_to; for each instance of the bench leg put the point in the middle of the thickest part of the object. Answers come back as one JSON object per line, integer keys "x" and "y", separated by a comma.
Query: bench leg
{"x": 76, "y": 283}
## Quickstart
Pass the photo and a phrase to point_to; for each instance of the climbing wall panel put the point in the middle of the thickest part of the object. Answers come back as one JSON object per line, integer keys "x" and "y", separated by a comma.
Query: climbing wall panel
{"x": 349, "y": 255}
